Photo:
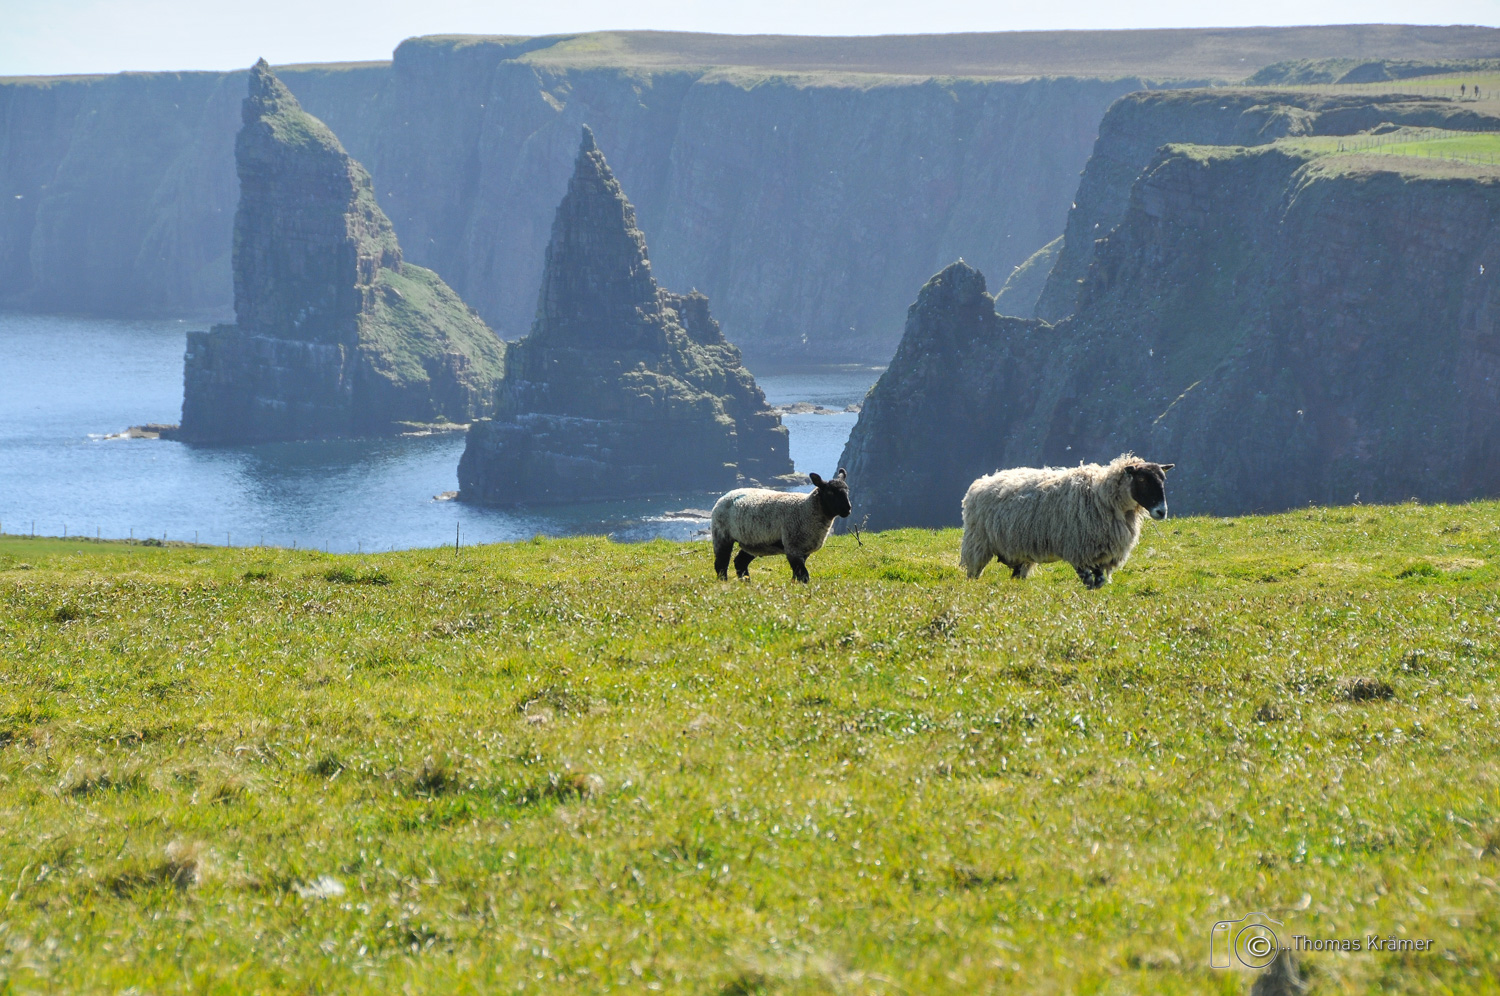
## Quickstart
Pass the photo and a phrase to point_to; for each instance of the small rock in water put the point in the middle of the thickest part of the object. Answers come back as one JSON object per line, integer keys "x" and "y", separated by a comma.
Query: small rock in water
{"x": 686, "y": 513}
{"x": 151, "y": 430}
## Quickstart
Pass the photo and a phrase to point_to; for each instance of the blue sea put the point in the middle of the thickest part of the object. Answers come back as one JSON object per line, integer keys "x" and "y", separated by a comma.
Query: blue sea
{"x": 67, "y": 383}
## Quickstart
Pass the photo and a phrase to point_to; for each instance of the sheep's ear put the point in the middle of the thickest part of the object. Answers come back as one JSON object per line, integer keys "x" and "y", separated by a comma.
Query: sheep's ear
{"x": 842, "y": 473}
{"x": 816, "y": 480}
{"x": 1166, "y": 467}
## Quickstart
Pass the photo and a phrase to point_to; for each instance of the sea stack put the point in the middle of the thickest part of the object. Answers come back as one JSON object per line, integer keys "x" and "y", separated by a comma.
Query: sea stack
{"x": 334, "y": 334}
{"x": 622, "y": 388}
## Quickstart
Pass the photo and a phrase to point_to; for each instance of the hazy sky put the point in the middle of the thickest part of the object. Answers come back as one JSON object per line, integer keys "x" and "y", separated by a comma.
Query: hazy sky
{"x": 77, "y": 36}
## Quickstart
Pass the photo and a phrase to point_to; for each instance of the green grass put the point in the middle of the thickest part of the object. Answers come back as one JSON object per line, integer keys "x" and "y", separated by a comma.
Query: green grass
{"x": 1415, "y": 147}
{"x": 571, "y": 766}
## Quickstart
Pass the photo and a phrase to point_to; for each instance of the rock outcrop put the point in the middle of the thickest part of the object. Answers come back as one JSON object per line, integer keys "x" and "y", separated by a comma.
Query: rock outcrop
{"x": 335, "y": 335}
{"x": 1023, "y": 288}
{"x": 621, "y": 388}
{"x": 925, "y": 431}
{"x": 1287, "y": 328}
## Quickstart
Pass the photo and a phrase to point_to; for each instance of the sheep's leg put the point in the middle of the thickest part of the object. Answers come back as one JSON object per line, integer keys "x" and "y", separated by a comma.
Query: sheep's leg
{"x": 742, "y": 563}
{"x": 799, "y": 568}
{"x": 1020, "y": 569}
{"x": 1088, "y": 575}
{"x": 723, "y": 547}
{"x": 974, "y": 554}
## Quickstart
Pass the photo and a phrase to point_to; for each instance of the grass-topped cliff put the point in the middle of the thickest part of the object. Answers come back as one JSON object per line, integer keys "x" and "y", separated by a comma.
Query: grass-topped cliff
{"x": 586, "y": 765}
{"x": 1139, "y": 124}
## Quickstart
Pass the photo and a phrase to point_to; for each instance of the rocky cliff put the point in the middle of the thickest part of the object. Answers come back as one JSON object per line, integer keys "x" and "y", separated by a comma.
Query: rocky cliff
{"x": 1286, "y": 327}
{"x": 621, "y": 388}
{"x": 797, "y": 202}
{"x": 800, "y": 182}
{"x": 335, "y": 335}
{"x": 1139, "y": 124}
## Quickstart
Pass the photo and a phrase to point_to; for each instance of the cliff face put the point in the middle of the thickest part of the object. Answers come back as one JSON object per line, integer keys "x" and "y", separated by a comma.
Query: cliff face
{"x": 797, "y": 203}
{"x": 622, "y": 388}
{"x": 1286, "y": 329}
{"x": 335, "y": 335}
{"x": 1137, "y": 125}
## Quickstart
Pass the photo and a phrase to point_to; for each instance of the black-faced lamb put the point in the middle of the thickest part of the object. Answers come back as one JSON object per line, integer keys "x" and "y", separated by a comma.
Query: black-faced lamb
{"x": 1089, "y": 516}
{"x": 765, "y": 523}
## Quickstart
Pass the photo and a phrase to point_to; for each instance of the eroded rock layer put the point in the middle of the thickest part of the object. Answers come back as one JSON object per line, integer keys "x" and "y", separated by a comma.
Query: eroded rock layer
{"x": 621, "y": 388}
{"x": 335, "y": 335}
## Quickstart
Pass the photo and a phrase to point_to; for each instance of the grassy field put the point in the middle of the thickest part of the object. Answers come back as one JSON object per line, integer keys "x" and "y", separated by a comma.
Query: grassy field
{"x": 1479, "y": 149}
{"x": 1455, "y": 86}
{"x": 573, "y": 766}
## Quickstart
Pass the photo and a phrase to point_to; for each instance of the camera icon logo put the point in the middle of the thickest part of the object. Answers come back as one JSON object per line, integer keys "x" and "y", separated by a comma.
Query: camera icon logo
{"x": 1250, "y": 942}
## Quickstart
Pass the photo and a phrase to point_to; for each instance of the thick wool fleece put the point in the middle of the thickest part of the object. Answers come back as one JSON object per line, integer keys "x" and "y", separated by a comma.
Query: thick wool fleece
{"x": 1083, "y": 515}
{"x": 766, "y": 523}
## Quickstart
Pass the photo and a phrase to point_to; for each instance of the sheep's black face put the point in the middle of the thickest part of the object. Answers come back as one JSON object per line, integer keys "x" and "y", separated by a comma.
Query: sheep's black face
{"x": 1148, "y": 486}
{"x": 833, "y": 494}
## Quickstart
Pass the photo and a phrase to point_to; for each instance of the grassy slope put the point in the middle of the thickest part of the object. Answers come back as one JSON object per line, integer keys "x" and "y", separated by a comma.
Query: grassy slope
{"x": 1416, "y": 152}
{"x": 426, "y": 320}
{"x": 568, "y": 764}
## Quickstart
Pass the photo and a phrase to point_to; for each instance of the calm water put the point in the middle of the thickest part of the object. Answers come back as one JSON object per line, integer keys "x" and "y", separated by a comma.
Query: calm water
{"x": 67, "y": 382}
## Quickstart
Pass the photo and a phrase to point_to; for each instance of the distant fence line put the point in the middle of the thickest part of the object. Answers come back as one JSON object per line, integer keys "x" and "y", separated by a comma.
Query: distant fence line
{"x": 153, "y": 540}
{"x": 1375, "y": 143}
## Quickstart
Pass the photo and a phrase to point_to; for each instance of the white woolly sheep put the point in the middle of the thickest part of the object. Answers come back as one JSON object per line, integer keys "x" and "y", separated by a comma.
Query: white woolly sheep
{"x": 1089, "y": 516}
{"x": 765, "y": 523}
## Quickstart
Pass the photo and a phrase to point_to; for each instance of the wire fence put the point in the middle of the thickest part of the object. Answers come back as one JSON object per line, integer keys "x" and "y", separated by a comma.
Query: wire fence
{"x": 202, "y": 539}
{"x": 1426, "y": 143}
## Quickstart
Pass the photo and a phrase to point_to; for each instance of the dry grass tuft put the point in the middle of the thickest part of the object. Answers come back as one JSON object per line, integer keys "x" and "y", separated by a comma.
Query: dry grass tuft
{"x": 1363, "y": 688}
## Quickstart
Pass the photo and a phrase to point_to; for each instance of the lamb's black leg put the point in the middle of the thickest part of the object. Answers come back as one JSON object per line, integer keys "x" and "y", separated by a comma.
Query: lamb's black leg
{"x": 742, "y": 564}
{"x": 722, "y": 550}
{"x": 799, "y": 568}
